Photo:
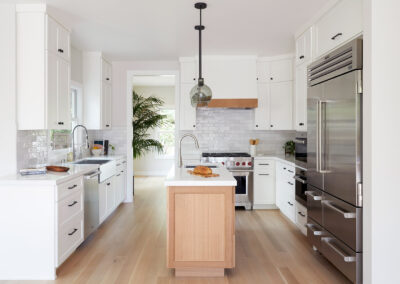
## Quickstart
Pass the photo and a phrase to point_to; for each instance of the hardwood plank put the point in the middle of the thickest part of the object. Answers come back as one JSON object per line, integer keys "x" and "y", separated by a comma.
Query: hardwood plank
{"x": 130, "y": 247}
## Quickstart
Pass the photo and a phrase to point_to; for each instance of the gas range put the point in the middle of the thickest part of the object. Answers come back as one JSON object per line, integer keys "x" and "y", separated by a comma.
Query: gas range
{"x": 232, "y": 161}
{"x": 241, "y": 167}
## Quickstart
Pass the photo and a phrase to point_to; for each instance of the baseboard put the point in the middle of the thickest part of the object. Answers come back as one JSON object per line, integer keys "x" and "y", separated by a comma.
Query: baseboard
{"x": 151, "y": 173}
{"x": 264, "y": 206}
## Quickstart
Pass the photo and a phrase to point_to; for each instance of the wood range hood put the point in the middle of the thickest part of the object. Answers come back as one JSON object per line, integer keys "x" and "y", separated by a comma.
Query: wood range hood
{"x": 233, "y": 103}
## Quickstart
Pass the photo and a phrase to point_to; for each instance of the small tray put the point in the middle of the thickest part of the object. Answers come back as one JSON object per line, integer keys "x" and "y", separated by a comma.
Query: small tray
{"x": 200, "y": 175}
{"x": 57, "y": 169}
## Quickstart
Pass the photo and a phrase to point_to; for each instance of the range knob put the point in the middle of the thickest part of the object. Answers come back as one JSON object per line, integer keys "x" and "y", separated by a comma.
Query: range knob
{"x": 237, "y": 164}
{"x": 243, "y": 163}
{"x": 223, "y": 163}
{"x": 249, "y": 163}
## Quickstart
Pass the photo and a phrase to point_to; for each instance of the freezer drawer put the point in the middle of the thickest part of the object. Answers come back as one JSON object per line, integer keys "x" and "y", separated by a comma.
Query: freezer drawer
{"x": 343, "y": 220}
{"x": 345, "y": 259}
{"x": 314, "y": 233}
{"x": 314, "y": 207}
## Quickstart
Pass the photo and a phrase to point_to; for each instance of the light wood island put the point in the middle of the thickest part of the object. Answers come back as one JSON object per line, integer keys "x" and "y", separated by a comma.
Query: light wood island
{"x": 200, "y": 223}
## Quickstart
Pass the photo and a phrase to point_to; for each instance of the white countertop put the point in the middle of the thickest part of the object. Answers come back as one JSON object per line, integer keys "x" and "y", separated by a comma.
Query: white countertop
{"x": 50, "y": 178}
{"x": 54, "y": 178}
{"x": 288, "y": 159}
{"x": 181, "y": 177}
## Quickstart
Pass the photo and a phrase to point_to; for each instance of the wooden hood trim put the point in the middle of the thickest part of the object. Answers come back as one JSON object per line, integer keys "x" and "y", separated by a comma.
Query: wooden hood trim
{"x": 233, "y": 103}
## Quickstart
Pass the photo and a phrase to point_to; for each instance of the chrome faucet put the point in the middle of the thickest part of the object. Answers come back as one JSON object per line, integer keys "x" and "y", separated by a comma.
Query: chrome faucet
{"x": 180, "y": 146}
{"x": 73, "y": 139}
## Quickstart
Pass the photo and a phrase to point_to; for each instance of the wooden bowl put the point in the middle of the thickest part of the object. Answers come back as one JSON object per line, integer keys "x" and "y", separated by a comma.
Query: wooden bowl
{"x": 57, "y": 169}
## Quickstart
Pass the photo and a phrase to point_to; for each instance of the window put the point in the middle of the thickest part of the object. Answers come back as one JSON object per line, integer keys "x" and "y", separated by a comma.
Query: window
{"x": 166, "y": 134}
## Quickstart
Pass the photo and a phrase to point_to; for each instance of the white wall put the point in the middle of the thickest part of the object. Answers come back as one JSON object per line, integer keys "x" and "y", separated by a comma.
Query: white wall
{"x": 381, "y": 141}
{"x": 8, "y": 121}
{"x": 76, "y": 65}
{"x": 151, "y": 164}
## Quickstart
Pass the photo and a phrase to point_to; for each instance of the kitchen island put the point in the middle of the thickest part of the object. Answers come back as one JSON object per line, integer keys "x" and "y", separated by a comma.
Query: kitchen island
{"x": 200, "y": 223}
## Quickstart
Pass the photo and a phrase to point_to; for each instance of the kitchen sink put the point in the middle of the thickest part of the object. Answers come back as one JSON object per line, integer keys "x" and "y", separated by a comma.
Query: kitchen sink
{"x": 91, "y": 162}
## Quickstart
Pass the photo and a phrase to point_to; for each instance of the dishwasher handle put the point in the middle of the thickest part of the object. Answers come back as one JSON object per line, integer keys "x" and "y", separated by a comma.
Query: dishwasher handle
{"x": 92, "y": 175}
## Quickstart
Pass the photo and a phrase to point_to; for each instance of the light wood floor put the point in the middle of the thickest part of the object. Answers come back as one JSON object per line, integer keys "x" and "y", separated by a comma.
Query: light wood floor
{"x": 130, "y": 248}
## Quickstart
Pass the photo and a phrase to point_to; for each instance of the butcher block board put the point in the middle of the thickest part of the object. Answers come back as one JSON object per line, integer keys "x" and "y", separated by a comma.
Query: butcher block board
{"x": 200, "y": 175}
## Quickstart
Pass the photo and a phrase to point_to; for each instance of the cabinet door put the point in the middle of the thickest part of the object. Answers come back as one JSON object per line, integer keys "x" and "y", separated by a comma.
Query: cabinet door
{"x": 106, "y": 106}
{"x": 301, "y": 98}
{"x": 281, "y": 70}
{"x": 280, "y": 194}
{"x": 261, "y": 113}
{"x": 51, "y": 34}
{"x": 110, "y": 195}
{"x": 281, "y": 106}
{"x": 339, "y": 25}
{"x": 52, "y": 91}
{"x": 63, "y": 105}
{"x": 304, "y": 47}
{"x": 63, "y": 42}
{"x": 105, "y": 71}
{"x": 119, "y": 180}
{"x": 188, "y": 71}
{"x": 187, "y": 113}
{"x": 264, "y": 188}
{"x": 263, "y": 71}
{"x": 102, "y": 201}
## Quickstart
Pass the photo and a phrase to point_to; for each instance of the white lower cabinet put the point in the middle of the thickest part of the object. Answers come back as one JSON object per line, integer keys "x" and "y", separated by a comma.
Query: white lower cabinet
{"x": 264, "y": 184}
{"x": 285, "y": 190}
{"x": 110, "y": 195}
{"x": 102, "y": 201}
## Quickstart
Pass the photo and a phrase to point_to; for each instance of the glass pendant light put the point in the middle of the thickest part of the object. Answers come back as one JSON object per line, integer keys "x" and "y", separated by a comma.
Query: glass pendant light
{"x": 201, "y": 94}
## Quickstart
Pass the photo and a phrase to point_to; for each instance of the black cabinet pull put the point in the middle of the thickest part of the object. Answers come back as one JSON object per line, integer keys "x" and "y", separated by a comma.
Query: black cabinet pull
{"x": 107, "y": 125}
{"x": 108, "y": 183}
{"x": 194, "y": 125}
{"x": 291, "y": 204}
{"x": 60, "y": 50}
{"x": 263, "y": 164}
{"x": 301, "y": 214}
{"x": 272, "y": 125}
{"x": 290, "y": 183}
{"x": 301, "y": 57}
{"x": 194, "y": 79}
{"x": 257, "y": 78}
{"x": 73, "y": 203}
{"x": 60, "y": 123}
{"x": 122, "y": 171}
{"x": 107, "y": 79}
{"x": 73, "y": 232}
{"x": 271, "y": 78}
{"x": 290, "y": 171}
{"x": 256, "y": 125}
{"x": 263, "y": 174}
{"x": 301, "y": 123}
{"x": 72, "y": 187}
{"x": 118, "y": 175}
{"x": 336, "y": 35}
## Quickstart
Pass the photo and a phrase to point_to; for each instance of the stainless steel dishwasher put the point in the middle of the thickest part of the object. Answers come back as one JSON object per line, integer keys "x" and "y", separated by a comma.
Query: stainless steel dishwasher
{"x": 91, "y": 189}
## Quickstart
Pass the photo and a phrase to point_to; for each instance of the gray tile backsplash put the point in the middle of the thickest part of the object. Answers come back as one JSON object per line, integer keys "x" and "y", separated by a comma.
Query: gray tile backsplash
{"x": 116, "y": 137}
{"x": 220, "y": 130}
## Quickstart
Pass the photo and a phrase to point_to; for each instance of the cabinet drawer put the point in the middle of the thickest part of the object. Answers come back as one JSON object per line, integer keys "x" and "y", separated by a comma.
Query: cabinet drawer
{"x": 70, "y": 236}
{"x": 314, "y": 233}
{"x": 70, "y": 206}
{"x": 121, "y": 165}
{"x": 265, "y": 166}
{"x": 343, "y": 220}
{"x": 345, "y": 259}
{"x": 314, "y": 206}
{"x": 301, "y": 218}
{"x": 69, "y": 187}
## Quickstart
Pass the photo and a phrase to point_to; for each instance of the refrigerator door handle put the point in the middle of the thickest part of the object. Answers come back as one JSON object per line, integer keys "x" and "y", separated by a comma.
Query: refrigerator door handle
{"x": 346, "y": 258}
{"x": 313, "y": 196}
{"x": 346, "y": 215}
{"x": 321, "y": 138}
{"x": 319, "y": 142}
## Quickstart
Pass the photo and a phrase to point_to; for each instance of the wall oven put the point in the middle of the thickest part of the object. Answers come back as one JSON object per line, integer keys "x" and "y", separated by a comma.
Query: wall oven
{"x": 301, "y": 186}
{"x": 300, "y": 155}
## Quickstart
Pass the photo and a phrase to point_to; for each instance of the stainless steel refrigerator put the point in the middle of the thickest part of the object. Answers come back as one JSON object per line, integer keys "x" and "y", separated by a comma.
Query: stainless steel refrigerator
{"x": 334, "y": 158}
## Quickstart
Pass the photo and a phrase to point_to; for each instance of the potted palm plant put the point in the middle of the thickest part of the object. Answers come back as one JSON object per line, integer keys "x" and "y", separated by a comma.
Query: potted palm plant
{"x": 146, "y": 116}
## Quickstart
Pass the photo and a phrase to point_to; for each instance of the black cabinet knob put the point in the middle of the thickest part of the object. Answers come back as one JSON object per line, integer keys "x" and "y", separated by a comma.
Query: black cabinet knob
{"x": 194, "y": 125}
{"x": 107, "y": 125}
{"x": 301, "y": 123}
{"x": 271, "y": 78}
{"x": 108, "y": 79}
{"x": 60, "y": 50}
{"x": 301, "y": 57}
{"x": 194, "y": 79}
{"x": 60, "y": 123}
{"x": 257, "y": 79}
{"x": 108, "y": 183}
{"x": 272, "y": 125}
{"x": 256, "y": 125}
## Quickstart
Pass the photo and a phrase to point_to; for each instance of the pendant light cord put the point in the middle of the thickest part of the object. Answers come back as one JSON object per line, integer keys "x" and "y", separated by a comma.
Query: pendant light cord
{"x": 200, "y": 59}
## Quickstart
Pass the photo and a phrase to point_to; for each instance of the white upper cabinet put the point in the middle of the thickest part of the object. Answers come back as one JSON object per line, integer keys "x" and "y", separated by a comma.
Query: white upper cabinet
{"x": 301, "y": 98}
{"x": 98, "y": 91}
{"x": 263, "y": 71}
{"x": 261, "y": 113}
{"x": 188, "y": 70}
{"x": 340, "y": 24}
{"x": 43, "y": 73}
{"x": 231, "y": 77}
{"x": 58, "y": 39}
{"x": 281, "y": 70}
{"x": 281, "y": 97}
{"x": 304, "y": 47}
{"x": 187, "y": 120}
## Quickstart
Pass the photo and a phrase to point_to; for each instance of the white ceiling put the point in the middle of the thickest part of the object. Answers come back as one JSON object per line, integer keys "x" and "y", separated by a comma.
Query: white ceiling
{"x": 163, "y": 29}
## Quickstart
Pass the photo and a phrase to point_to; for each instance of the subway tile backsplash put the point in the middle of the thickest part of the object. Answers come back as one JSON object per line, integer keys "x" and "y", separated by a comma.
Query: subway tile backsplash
{"x": 229, "y": 130}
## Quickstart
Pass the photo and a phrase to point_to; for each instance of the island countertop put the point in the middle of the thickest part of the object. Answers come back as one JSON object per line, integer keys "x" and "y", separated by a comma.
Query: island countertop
{"x": 181, "y": 177}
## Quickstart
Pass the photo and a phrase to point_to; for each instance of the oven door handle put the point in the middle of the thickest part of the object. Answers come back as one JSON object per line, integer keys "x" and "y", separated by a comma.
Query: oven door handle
{"x": 296, "y": 177}
{"x": 299, "y": 141}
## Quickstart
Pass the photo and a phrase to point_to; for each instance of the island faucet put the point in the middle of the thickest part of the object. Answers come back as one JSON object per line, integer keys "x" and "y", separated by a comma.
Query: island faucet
{"x": 73, "y": 139}
{"x": 180, "y": 146}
